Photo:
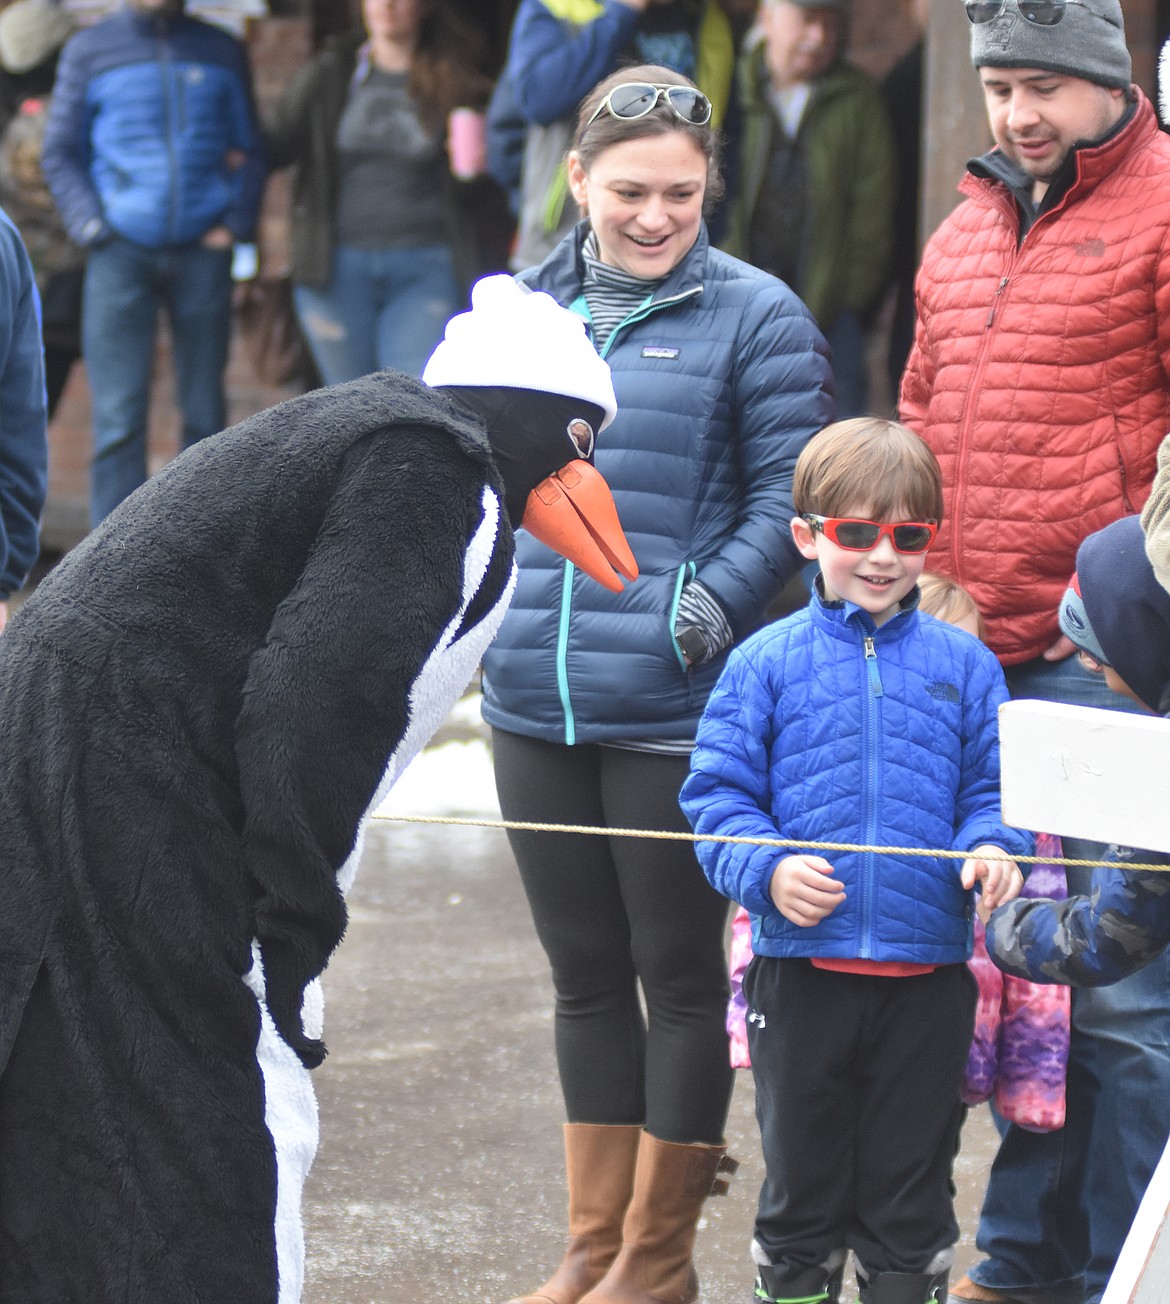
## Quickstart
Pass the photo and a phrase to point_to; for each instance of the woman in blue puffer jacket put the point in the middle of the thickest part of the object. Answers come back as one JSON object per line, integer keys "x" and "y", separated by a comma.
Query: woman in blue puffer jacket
{"x": 594, "y": 697}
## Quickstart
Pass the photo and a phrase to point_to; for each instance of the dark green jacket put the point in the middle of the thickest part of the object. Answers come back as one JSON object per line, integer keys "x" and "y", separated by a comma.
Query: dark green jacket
{"x": 852, "y": 179}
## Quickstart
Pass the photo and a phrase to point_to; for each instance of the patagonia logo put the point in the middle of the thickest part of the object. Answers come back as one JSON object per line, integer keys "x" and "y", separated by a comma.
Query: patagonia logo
{"x": 943, "y": 692}
{"x": 660, "y": 351}
{"x": 1090, "y": 248}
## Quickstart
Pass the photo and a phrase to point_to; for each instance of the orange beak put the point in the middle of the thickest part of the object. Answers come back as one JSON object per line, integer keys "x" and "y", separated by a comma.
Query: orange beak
{"x": 574, "y": 513}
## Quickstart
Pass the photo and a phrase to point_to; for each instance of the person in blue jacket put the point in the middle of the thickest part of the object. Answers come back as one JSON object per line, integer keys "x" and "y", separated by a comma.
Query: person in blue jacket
{"x": 857, "y": 720}
{"x": 721, "y": 377}
{"x": 152, "y": 154}
{"x": 24, "y": 449}
{"x": 1118, "y": 615}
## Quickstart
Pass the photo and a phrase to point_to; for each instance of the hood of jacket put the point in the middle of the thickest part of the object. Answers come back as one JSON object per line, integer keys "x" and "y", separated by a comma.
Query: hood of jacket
{"x": 1128, "y": 609}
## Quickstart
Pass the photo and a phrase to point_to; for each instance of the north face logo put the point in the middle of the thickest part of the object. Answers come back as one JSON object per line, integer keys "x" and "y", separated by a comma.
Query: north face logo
{"x": 1090, "y": 248}
{"x": 943, "y": 692}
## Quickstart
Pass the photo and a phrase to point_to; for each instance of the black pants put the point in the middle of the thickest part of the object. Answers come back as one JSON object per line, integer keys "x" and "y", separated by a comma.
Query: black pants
{"x": 615, "y": 912}
{"x": 857, "y": 1097}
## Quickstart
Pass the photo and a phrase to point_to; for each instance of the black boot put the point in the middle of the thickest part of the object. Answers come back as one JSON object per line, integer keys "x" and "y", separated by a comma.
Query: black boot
{"x": 904, "y": 1288}
{"x": 798, "y": 1286}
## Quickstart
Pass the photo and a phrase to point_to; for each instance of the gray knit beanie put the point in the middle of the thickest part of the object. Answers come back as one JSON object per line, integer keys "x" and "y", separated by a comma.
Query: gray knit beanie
{"x": 1088, "y": 42}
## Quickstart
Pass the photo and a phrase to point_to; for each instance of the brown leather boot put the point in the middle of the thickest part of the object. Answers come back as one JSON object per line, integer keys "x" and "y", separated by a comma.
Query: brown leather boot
{"x": 670, "y": 1185}
{"x": 599, "y": 1161}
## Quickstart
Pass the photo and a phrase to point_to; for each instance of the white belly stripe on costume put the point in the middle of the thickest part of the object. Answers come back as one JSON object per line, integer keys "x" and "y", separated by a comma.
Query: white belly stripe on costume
{"x": 290, "y": 1104}
{"x": 290, "y": 1114}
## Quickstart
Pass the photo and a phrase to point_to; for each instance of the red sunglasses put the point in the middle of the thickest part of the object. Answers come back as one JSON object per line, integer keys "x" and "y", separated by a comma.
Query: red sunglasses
{"x": 861, "y": 536}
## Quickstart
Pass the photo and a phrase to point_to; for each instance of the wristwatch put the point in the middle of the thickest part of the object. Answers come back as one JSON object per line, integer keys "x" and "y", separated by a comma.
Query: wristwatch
{"x": 692, "y": 642}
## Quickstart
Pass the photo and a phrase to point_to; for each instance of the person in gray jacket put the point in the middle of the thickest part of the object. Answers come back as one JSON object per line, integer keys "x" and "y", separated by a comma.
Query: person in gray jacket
{"x": 721, "y": 377}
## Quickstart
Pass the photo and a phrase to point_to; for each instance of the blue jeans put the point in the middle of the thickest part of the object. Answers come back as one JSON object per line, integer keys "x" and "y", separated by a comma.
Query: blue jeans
{"x": 125, "y": 286}
{"x": 1059, "y": 1204}
{"x": 381, "y": 308}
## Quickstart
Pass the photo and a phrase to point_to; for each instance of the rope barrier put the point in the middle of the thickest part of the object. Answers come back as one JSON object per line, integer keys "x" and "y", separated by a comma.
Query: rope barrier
{"x": 668, "y": 835}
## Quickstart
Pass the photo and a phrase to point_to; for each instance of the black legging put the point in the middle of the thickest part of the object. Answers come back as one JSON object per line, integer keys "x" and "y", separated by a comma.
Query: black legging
{"x": 610, "y": 912}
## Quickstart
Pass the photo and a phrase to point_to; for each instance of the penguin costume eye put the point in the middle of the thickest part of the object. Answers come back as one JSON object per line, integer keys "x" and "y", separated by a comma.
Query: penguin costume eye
{"x": 581, "y": 433}
{"x": 525, "y": 367}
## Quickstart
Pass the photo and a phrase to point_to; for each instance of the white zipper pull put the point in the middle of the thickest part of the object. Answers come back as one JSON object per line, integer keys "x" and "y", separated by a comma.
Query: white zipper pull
{"x": 871, "y": 664}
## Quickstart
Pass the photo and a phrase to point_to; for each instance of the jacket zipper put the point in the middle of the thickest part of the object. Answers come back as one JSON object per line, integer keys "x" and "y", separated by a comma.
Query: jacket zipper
{"x": 872, "y": 734}
{"x": 871, "y": 663}
{"x": 563, "y": 654}
{"x": 686, "y": 573}
{"x": 1129, "y": 507}
{"x": 973, "y": 390}
{"x": 168, "y": 89}
{"x": 1008, "y": 208}
{"x": 999, "y": 289}
{"x": 643, "y": 311}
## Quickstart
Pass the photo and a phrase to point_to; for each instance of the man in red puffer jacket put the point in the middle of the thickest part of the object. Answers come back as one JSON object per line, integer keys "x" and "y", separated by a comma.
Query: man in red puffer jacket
{"x": 1040, "y": 377}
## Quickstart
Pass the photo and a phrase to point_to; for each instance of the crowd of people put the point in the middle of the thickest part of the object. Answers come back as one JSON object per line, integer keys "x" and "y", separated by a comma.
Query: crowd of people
{"x": 708, "y": 218}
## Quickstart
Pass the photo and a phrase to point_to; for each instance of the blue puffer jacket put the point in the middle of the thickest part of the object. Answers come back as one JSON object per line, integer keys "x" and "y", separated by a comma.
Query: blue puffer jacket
{"x": 149, "y": 122}
{"x": 721, "y": 379}
{"x": 824, "y": 728}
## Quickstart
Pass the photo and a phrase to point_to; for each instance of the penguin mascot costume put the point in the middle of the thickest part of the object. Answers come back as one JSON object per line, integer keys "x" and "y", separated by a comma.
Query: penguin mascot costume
{"x": 201, "y": 705}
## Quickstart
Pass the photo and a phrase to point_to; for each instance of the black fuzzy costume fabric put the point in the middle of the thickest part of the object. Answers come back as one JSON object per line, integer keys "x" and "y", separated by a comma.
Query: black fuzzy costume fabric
{"x": 199, "y": 706}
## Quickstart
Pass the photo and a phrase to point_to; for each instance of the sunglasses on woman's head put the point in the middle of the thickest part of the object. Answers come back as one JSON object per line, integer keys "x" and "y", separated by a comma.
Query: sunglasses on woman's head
{"x": 633, "y": 100}
{"x": 1041, "y": 13}
{"x": 862, "y": 536}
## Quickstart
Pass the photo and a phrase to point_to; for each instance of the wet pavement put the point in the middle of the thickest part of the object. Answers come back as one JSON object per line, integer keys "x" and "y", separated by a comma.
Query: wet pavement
{"x": 440, "y": 1172}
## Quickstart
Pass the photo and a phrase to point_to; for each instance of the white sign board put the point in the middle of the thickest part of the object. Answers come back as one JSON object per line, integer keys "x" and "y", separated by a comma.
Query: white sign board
{"x": 1086, "y": 773}
{"x": 1098, "y": 774}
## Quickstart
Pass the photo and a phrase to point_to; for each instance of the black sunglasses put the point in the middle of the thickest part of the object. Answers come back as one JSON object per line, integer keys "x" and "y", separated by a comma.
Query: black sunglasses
{"x": 1042, "y": 13}
{"x": 632, "y": 100}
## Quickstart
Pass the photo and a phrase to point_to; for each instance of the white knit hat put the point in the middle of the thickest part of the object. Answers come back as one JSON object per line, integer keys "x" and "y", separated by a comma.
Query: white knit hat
{"x": 516, "y": 338}
{"x": 30, "y": 31}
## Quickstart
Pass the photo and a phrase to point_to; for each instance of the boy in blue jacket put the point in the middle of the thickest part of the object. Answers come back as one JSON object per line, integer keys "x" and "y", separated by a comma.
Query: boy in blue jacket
{"x": 857, "y": 720}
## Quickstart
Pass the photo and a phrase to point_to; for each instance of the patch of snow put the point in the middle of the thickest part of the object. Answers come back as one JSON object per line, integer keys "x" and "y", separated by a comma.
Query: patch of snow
{"x": 454, "y": 778}
{"x": 466, "y": 713}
